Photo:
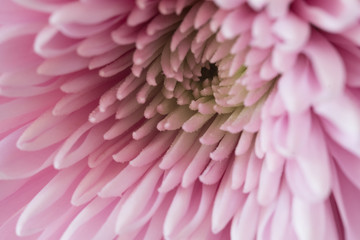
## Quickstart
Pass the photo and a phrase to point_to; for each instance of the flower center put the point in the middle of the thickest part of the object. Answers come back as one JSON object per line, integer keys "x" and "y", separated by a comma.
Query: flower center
{"x": 194, "y": 74}
{"x": 209, "y": 72}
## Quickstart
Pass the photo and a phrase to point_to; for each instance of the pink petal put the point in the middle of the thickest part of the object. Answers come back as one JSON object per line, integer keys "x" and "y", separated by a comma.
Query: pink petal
{"x": 53, "y": 197}
{"x": 346, "y": 196}
{"x": 321, "y": 55}
{"x": 305, "y": 216}
{"x": 226, "y": 203}
{"x": 246, "y": 219}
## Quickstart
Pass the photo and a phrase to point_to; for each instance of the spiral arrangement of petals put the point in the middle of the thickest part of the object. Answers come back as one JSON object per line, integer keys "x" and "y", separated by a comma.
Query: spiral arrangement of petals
{"x": 179, "y": 119}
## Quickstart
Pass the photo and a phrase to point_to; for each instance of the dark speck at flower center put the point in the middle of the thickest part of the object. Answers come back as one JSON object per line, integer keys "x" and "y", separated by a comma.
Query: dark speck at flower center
{"x": 209, "y": 72}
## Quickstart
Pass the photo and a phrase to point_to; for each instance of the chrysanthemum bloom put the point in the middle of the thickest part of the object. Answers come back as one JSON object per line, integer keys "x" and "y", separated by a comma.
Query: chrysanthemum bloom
{"x": 180, "y": 119}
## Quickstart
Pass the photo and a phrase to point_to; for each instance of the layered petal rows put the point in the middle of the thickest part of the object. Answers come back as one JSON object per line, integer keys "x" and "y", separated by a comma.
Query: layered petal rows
{"x": 179, "y": 119}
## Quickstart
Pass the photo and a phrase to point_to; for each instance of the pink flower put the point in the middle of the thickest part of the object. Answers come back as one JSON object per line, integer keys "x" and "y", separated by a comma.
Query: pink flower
{"x": 180, "y": 119}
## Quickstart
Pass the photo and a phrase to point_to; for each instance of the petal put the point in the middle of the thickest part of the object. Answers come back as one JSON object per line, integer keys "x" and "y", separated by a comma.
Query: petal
{"x": 54, "y": 198}
{"x": 268, "y": 184}
{"x": 10, "y": 205}
{"x": 314, "y": 162}
{"x": 138, "y": 199}
{"x": 84, "y": 223}
{"x": 178, "y": 209}
{"x": 244, "y": 224}
{"x": 30, "y": 162}
{"x": 334, "y": 16}
{"x": 348, "y": 163}
{"x": 293, "y": 31}
{"x": 78, "y": 12}
{"x": 229, "y": 4}
{"x": 323, "y": 54}
{"x": 305, "y": 216}
{"x": 345, "y": 129}
{"x": 227, "y": 202}
{"x": 298, "y": 87}
{"x": 282, "y": 214}
{"x": 347, "y": 197}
